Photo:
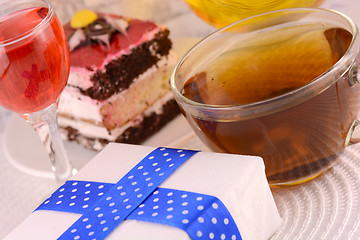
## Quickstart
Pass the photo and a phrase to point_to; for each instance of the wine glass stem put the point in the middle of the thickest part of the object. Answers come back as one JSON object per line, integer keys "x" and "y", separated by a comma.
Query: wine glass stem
{"x": 45, "y": 124}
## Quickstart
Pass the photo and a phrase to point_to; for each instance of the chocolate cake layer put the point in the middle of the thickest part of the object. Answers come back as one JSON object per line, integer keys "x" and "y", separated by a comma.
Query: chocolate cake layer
{"x": 134, "y": 135}
{"x": 150, "y": 124}
{"x": 119, "y": 73}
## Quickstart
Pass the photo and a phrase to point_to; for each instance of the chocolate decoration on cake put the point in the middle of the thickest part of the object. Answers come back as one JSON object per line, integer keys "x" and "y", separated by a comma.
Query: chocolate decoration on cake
{"x": 98, "y": 31}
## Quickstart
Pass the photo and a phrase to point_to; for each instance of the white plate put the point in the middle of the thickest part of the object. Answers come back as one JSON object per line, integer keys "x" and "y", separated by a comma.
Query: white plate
{"x": 25, "y": 151}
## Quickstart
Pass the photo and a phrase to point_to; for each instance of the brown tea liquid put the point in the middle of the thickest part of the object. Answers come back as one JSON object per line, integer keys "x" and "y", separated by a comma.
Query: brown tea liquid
{"x": 295, "y": 142}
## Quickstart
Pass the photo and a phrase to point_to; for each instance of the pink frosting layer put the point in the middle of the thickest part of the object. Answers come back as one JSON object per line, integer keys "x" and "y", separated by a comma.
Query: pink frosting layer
{"x": 94, "y": 55}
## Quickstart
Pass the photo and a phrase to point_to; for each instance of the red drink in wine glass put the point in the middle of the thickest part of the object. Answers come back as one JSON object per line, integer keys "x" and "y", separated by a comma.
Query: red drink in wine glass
{"x": 34, "y": 68}
{"x": 33, "y": 71}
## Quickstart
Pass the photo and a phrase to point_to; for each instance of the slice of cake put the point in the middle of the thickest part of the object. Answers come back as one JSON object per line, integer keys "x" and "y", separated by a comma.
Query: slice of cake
{"x": 118, "y": 88}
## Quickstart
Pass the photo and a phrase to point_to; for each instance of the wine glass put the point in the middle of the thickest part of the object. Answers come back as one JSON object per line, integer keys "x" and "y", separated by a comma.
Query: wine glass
{"x": 34, "y": 68}
{"x": 220, "y": 13}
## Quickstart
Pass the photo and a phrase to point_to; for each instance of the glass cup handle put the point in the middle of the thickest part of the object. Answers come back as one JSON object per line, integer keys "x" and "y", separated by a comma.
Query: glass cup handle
{"x": 353, "y": 78}
{"x": 353, "y": 135}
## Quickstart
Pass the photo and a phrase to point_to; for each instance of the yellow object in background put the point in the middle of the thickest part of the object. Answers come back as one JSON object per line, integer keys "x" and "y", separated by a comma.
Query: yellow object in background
{"x": 82, "y": 18}
{"x": 220, "y": 13}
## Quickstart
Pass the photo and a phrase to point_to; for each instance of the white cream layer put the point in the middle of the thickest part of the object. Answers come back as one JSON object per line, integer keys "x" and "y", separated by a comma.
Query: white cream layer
{"x": 90, "y": 130}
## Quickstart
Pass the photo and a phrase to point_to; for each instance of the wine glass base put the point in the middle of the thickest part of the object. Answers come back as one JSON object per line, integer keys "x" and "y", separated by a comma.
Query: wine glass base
{"x": 24, "y": 150}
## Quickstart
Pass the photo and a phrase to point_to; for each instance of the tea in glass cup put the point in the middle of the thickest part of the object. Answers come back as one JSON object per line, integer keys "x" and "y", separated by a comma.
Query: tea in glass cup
{"x": 283, "y": 88}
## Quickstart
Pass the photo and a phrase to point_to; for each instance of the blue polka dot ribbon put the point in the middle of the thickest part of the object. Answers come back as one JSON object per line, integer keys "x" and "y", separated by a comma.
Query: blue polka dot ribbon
{"x": 137, "y": 196}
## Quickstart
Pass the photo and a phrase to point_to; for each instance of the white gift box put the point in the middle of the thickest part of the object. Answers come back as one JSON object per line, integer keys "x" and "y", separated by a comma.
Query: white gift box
{"x": 238, "y": 181}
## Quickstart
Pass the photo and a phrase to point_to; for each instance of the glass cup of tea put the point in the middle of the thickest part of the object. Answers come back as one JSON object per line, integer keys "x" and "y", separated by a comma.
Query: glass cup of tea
{"x": 220, "y": 13}
{"x": 281, "y": 85}
{"x": 34, "y": 68}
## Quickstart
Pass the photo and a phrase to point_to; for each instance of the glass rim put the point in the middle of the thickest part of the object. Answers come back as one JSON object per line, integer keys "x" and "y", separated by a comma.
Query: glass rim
{"x": 32, "y": 31}
{"x": 274, "y": 104}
